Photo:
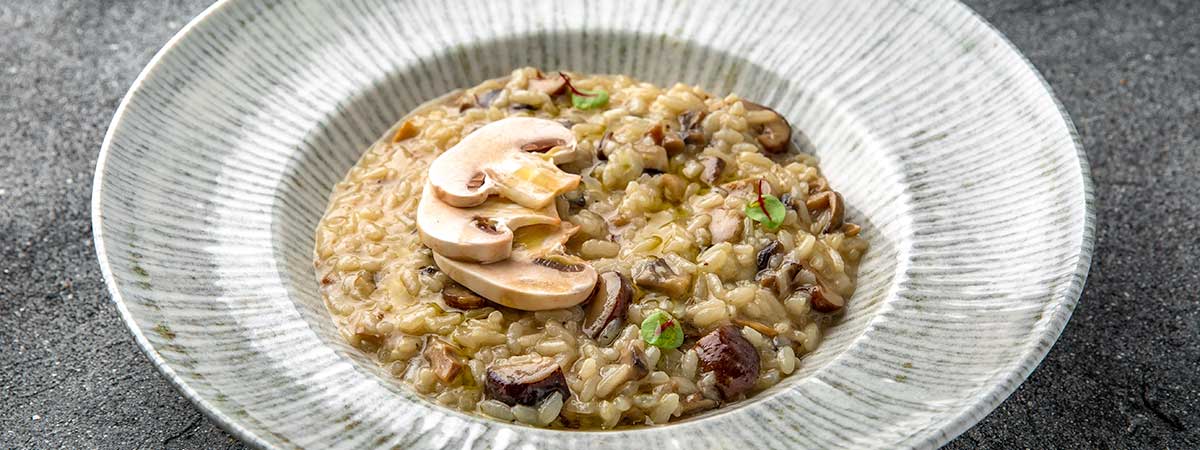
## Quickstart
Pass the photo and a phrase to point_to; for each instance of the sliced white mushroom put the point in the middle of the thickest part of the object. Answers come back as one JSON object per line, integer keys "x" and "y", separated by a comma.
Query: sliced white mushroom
{"x": 537, "y": 276}
{"x": 482, "y": 233}
{"x": 514, "y": 158}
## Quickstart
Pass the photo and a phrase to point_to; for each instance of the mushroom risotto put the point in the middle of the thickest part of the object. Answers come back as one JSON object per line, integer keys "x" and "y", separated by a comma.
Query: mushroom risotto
{"x": 586, "y": 251}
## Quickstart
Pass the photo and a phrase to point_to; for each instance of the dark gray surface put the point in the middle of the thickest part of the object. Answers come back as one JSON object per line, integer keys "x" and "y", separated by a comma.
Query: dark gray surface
{"x": 1126, "y": 372}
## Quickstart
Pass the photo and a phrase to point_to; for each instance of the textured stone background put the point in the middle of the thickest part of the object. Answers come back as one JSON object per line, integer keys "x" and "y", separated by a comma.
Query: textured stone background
{"x": 1126, "y": 372}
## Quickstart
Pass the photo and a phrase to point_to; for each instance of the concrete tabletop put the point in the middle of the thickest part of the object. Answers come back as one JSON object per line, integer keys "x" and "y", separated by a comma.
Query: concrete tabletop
{"x": 1126, "y": 372}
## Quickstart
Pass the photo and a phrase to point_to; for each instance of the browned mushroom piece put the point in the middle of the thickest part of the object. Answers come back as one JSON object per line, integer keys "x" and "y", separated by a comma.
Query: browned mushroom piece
{"x": 457, "y": 296}
{"x": 657, "y": 275}
{"x": 673, "y": 187}
{"x": 851, "y": 230}
{"x": 485, "y": 99}
{"x": 444, "y": 359}
{"x": 817, "y": 186}
{"x": 731, "y": 358}
{"x": 825, "y": 300}
{"x": 713, "y": 167}
{"x": 551, "y": 86}
{"x": 763, "y": 259}
{"x": 406, "y": 131}
{"x": 635, "y": 357}
{"x": 606, "y": 309}
{"x": 781, "y": 280}
{"x": 656, "y": 134}
{"x": 833, "y": 205}
{"x": 725, "y": 226}
{"x": 672, "y": 144}
{"x": 775, "y": 134}
{"x": 689, "y": 127}
{"x": 696, "y": 403}
{"x": 525, "y": 380}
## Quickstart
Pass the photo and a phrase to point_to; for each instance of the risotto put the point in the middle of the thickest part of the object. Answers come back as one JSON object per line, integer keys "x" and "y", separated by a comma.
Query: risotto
{"x": 586, "y": 251}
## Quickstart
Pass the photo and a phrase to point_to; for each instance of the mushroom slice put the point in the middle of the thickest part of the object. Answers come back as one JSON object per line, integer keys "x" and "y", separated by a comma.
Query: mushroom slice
{"x": 634, "y": 356}
{"x": 538, "y": 276}
{"x": 460, "y": 297}
{"x": 832, "y": 202}
{"x": 657, "y": 275}
{"x": 606, "y": 311}
{"x": 826, "y": 300}
{"x": 732, "y": 358}
{"x": 501, "y": 158}
{"x": 483, "y": 233}
{"x": 775, "y": 134}
{"x": 525, "y": 380}
{"x": 444, "y": 359}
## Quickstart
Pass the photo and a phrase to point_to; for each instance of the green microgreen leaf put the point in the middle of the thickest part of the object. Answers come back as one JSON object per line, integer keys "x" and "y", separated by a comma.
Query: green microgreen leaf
{"x": 582, "y": 99}
{"x": 771, "y": 215}
{"x": 589, "y": 99}
{"x": 767, "y": 209}
{"x": 662, "y": 331}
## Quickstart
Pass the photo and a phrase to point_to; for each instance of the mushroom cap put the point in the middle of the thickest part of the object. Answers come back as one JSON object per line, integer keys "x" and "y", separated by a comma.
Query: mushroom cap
{"x": 482, "y": 233}
{"x": 502, "y": 158}
{"x": 537, "y": 276}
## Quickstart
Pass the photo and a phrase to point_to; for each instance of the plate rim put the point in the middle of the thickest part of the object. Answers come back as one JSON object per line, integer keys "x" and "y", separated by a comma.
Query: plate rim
{"x": 984, "y": 404}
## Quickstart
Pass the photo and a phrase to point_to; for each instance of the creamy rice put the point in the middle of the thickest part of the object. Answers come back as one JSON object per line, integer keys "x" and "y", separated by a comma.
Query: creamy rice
{"x": 383, "y": 289}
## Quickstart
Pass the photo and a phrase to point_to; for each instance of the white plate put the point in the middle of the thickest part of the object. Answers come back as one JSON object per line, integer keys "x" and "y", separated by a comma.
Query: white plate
{"x": 950, "y": 149}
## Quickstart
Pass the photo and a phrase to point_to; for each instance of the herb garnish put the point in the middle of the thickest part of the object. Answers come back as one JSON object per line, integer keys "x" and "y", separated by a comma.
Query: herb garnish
{"x": 585, "y": 99}
{"x": 767, "y": 210}
{"x": 662, "y": 331}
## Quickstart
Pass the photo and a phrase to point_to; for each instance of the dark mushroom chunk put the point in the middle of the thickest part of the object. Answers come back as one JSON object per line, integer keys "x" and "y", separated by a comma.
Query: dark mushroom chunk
{"x": 763, "y": 259}
{"x": 713, "y": 167}
{"x": 781, "y": 281}
{"x": 672, "y": 144}
{"x": 443, "y": 359}
{"x": 689, "y": 127}
{"x": 485, "y": 99}
{"x": 656, "y": 134}
{"x": 606, "y": 310}
{"x": 634, "y": 356}
{"x": 525, "y": 380}
{"x": 657, "y": 275}
{"x": 824, "y": 300}
{"x": 834, "y": 207}
{"x": 457, "y": 296}
{"x": 731, "y": 358}
{"x": 774, "y": 135}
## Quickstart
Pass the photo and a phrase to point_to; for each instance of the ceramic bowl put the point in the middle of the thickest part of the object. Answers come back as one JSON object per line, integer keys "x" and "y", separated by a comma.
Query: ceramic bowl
{"x": 963, "y": 169}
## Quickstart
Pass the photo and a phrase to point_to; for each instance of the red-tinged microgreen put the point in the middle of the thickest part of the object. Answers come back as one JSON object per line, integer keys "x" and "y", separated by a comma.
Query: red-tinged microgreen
{"x": 767, "y": 209}
{"x": 662, "y": 331}
{"x": 582, "y": 99}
